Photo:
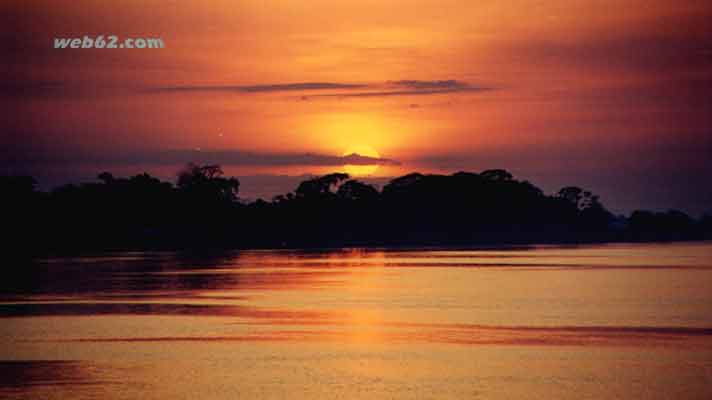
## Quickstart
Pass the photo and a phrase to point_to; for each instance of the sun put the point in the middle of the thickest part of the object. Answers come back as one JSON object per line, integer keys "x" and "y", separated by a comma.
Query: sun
{"x": 361, "y": 170}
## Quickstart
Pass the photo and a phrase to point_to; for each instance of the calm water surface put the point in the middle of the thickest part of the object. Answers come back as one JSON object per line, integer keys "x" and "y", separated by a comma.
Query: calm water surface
{"x": 611, "y": 321}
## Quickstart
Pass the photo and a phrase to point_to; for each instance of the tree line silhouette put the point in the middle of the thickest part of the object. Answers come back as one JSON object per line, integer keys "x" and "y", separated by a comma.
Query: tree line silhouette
{"x": 203, "y": 210}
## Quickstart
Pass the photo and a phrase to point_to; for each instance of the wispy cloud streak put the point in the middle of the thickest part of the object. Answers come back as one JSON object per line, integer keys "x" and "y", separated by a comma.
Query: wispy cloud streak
{"x": 406, "y": 87}
{"x": 266, "y": 88}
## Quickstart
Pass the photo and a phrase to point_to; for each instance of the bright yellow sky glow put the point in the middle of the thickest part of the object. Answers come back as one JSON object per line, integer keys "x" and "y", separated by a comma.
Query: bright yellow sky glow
{"x": 361, "y": 170}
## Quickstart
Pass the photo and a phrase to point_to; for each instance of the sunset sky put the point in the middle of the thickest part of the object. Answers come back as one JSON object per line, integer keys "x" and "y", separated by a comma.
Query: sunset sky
{"x": 614, "y": 96}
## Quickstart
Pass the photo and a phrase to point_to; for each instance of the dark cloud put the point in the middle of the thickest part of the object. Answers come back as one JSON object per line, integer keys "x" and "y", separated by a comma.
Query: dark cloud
{"x": 300, "y": 86}
{"x": 430, "y": 85}
{"x": 409, "y": 88}
{"x": 44, "y": 88}
{"x": 398, "y": 93}
{"x": 275, "y": 87}
{"x": 390, "y": 88}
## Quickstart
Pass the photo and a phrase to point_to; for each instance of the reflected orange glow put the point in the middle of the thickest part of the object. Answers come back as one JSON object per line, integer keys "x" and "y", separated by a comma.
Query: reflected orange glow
{"x": 351, "y": 315}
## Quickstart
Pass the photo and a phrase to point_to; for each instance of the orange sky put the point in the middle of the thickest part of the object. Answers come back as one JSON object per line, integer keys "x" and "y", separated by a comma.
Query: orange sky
{"x": 601, "y": 93}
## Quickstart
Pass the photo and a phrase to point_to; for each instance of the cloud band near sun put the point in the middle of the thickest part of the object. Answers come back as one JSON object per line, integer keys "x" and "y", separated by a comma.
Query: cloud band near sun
{"x": 182, "y": 156}
{"x": 404, "y": 87}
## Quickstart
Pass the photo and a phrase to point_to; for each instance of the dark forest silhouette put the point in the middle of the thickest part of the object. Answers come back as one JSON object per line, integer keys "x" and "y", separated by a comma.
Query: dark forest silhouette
{"x": 203, "y": 210}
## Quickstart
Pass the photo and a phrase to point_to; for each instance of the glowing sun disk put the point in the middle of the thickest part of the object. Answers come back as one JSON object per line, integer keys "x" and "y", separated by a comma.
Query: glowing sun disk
{"x": 361, "y": 170}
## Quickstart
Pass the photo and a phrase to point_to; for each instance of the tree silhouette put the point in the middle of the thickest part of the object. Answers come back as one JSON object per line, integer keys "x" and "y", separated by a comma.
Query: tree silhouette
{"x": 203, "y": 210}
{"x": 572, "y": 194}
{"x": 496, "y": 175}
{"x": 207, "y": 182}
{"x": 355, "y": 190}
{"x": 317, "y": 187}
{"x": 18, "y": 187}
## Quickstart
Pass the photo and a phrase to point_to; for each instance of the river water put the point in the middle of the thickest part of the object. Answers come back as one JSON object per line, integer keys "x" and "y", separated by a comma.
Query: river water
{"x": 624, "y": 321}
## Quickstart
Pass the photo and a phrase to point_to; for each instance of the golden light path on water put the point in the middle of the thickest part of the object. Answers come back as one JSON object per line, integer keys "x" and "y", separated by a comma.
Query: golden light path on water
{"x": 609, "y": 321}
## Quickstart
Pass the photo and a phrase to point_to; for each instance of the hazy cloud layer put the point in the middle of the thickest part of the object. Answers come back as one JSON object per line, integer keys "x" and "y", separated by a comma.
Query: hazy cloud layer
{"x": 391, "y": 88}
{"x": 183, "y": 156}
{"x": 305, "y": 90}
{"x": 450, "y": 84}
{"x": 236, "y": 157}
{"x": 272, "y": 87}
